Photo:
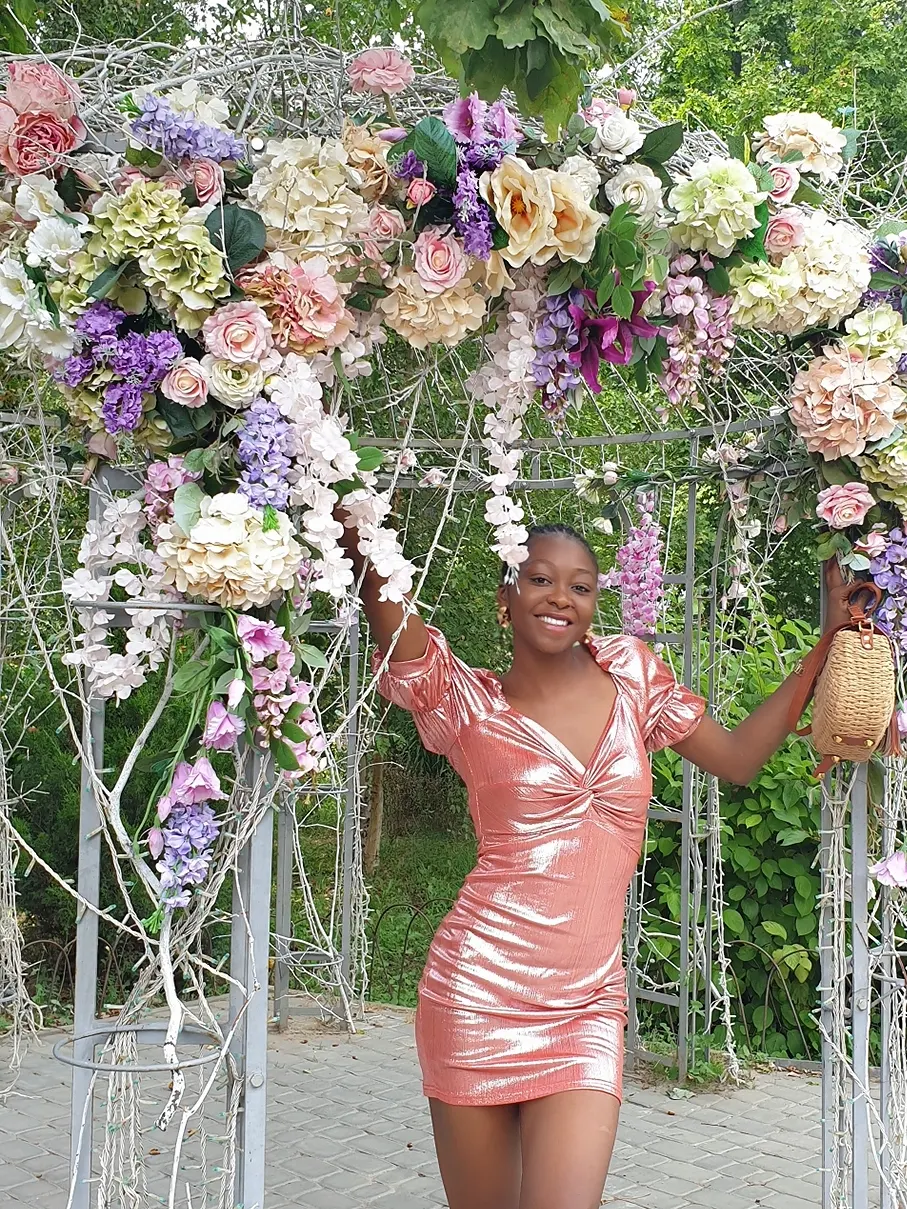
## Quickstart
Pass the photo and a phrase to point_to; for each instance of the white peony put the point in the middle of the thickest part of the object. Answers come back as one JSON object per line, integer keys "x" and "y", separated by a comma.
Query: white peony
{"x": 235, "y": 383}
{"x": 229, "y": 558}
{"x": 617, "y": 135}
{"x": 36, "y": 198}
{"x": 53, "y": 243}
{"x": 585, "y": 172}
{"x": 636, "y": 186}
{"x": 807, "y": 134}
{"x": 304, "y": 188}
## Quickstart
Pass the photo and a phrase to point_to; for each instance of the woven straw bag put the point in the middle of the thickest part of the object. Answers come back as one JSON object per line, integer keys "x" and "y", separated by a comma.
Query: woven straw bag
{"x": 851, "y": 677}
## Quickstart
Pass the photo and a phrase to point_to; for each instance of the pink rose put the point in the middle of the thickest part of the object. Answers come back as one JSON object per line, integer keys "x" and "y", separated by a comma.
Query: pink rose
{"x": 222, "y": 729}
{"x": 843, "y": 506}
{"x": 384, "y": 226}
{"x": 240, "y": 331}
{"x": 892, "y": 871}
{"x": 420, "y": 192}
{"x": 439, "y": 260}
{"x": 378, "y": 71}
{"x": 41, "y": 88}
{"x": 207, "y": 179}
{"x": 36, "y": 142}
{"x": 171, "y": 181}
{"x": 785, "y": 232}
{"x": 787, "y": 182}
{"x": 626, "y": 97}
{"x": 872, "y": 545}
{"x": 186, "y": 383}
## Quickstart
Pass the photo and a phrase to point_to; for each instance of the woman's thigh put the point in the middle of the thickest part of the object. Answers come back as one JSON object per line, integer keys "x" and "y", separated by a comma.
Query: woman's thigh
{"x": 567, "y": 1141}
{"x": 479, "y": 1154}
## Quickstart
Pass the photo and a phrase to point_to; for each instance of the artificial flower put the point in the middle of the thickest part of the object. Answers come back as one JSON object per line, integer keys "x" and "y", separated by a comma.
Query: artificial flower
{"x": 812, "y": 137}
{"x": 420, "y": 192}
{"x": 842, "y": 401}
{"x": 37, "y": 142}
{"x": 576, "y": 224}
{"x": 585, "y": 173}
{"x": 715, "y": 205}
{"x": 843, "y": 505}
{"x": 617, "y": 135}
{"x": 886, "y": 469}
{"x": 892, "y": 871}
{"x": 37, "y": 198}
{"x": 786, "y": 183}
{"x": 523, "y": 203}
{"x": 877, "y": 332}
{"x": 368, "y": 157}
{"x": 207, "y": 179}
{"x": 302, "y": 302}
{"x": 423, "y": 318}
{"x": 636, "y": 186}
{"x": 235, "y": 383}
{"x": 380, "y": 70}
{"x": 222, "y": 728}
{"x": 36, "y": 87}
{"x": 385, "y": 226}
{"x": 186, "y": 383}
{"x": 606, "y": 337}
{"x": 439, "y": 259}
{"x": 53, "y": 243}
{"x": 240, "y": 331}
{"x": 185, "y": 274}
{"x": 786, "y": 231}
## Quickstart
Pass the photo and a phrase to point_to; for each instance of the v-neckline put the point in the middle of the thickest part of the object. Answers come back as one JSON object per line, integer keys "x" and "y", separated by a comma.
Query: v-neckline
{"x": 550, "y": 737}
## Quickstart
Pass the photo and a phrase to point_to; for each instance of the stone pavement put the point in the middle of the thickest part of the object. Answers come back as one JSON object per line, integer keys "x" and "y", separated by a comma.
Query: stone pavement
{"x": 348, "y": 1128}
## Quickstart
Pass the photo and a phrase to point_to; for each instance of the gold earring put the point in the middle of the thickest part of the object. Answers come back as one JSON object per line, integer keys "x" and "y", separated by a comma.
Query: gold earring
{"x": 503, "y": 616}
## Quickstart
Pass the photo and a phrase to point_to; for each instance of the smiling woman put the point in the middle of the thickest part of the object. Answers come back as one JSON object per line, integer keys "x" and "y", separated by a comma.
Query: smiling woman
{"x": 522, "y": 1003}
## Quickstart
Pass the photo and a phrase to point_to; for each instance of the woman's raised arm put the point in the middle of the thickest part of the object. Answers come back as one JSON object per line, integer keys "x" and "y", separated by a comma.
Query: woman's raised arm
{"x": 397, "y": 627}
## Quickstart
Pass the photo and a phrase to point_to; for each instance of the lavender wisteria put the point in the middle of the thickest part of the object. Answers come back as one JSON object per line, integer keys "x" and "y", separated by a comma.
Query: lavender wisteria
{"x": 181, "y": 136}
{"x": 889, "y": 572}
{"x": 639, "y": 574}
{"x": 701, "y": 335}
{"x": 185, "y": 841}
{"x": 265, "y": 445}
{"x": 556, "y": 338}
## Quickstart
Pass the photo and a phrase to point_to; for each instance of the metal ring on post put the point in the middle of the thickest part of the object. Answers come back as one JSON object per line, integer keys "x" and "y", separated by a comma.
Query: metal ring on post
{"x": 138, "y": 1068}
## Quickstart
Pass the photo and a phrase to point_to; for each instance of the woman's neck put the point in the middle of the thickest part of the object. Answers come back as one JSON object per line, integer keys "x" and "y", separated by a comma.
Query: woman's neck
{"x": 535, "y": 674}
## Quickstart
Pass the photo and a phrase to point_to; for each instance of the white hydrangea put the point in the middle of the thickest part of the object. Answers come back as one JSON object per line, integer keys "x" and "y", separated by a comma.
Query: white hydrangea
{"x": 53, "y": 243}
{"x": 25, "y": 323}
{"x": 715, "y": 206}
{"x": 877, "y": 332}
{"x": 806, "y": 134}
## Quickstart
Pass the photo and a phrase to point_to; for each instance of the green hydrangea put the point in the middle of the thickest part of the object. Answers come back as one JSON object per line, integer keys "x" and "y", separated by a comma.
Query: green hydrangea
{"x": 186, "y": 274}
{"x": 879, "y": 332}
{"x": 887, "y": 470}
{"x": 716, "y": 206}
{"x": 127, "y": 225}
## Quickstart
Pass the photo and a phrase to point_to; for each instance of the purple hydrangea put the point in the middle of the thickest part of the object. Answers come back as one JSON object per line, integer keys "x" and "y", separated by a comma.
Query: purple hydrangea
{"x": 179, "y": 136}
{"x": 100, "y": 319}
{"x": 889, "y": 572}
{"x": 556, "y": 338}
{"x": 410, "y": 167}
{"x": 264, "y": 450}
{"x": 122, "y": 408}
{"x": 472, "y": 217}
{"x": 188, "y": 840}
{"x": 75, "y": 370}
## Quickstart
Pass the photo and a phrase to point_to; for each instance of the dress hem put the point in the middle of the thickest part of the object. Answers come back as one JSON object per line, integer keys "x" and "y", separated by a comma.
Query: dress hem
{"x": 491, "y": 1100}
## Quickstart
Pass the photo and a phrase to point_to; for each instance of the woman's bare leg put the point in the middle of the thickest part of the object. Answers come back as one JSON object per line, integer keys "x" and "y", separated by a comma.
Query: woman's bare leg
{"x": 567, "y": 1141}
{"x": 479, "y": 1154}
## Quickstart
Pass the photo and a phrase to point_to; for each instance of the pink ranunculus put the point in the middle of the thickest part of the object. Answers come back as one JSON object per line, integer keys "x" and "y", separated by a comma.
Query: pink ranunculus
{"x": 165, "y": 477}
{"x": 222, "y": 728}
{"x": 626, "y": 97}
{"x": 155, "y": 842}
{"x": 186, "y": 383}
{"x": 420, "y": 192}
{"x": 892, "y": 871}
{"x": 841, "y": 506}
{"x": 872, "y": 545}
{"x": 37, "y": 142}
{"x": 240, "y": 331}
{"x": 194, "y": 783}
{"x": 207, "y": 179}
{"x": 41, "y": 88}
{"x": 260, "y": 638}
{"x": 787, "y": 182}
{"x": 439, "y": 260}
{"x": 785, "y": 232}
{"x": 380, "y": 71}
{"x": 385, "y": 226}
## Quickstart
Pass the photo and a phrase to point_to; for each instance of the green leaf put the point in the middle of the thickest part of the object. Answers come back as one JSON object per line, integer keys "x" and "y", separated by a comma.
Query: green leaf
{"x": 849, "y": 150}
{"x": 224, "y": 680}
{"x": 370, "y": 458}
{"x": 283, "y": 756}
{"x": 194, "y": 460}
{"x": 191, "y": 676}
{"x": 184, "y": 421}
{"x": 774, "y": 929}
{"x": 565, "y": 36}
{"x": 434, "y": 145}
{"x": 804, "y": 885}
{"x": 884, "y": 279}
{"x": 622, "y": 302}
{"x": 738, "y": 146}
{"x": 187, "y": 506}
{"x": 806, "y": 193}
{"x": 312, "y": 657}
{"x": 270, "y": 521}
{"x": 733, "y": 921}
{"x": 663, "y": 142}
{"x": 460, "y": 27}
{"x": 839, "y": 473}
{"x": 360, "y": 302}
{"x": 761, "y": 175}
{"x": 891, "y": 226}
{"x": 143, "y": 157}
{"x": 515, "y": 24}
{"x": 754, "y": 245}
{"x": 605, "y": 290}
{"x": 104, "y": 282}
{"x": 719, "y": 279}
{"x": 238, "y": 233}
{"x": 499, "y": 238}
{"x": 291, "y": 731}
{"x": 565, "y": 277}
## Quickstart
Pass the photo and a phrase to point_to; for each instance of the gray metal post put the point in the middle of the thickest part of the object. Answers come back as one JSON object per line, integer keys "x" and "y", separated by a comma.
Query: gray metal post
{"x": 249, "y": 950}
{"x": 860, "y": 989}
{"x": 286, "y": 821}
{"x": 888, "y": 974}
{"x": 350, "y": 813}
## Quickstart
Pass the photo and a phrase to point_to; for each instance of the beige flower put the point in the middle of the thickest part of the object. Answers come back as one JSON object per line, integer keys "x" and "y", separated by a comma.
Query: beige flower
{"x": 583, "y": 170}
{"x": 576, "y": 224}
{"x": 496, "y": 277}
{"x": 887, "y": 469}
{"x": 186, "y": 274}
{"x": 423, "y": 319}
{"x": 523, "y": 203}
{"x": 228, "y": 558}
{"x": 368, "y": 156}
{"x": 879, "y": 332}
{"x": 235, "y": 383}
{"x": 842, "y": 401}
{"x": 812, "y": 136}
{"x": 761, "y": 293}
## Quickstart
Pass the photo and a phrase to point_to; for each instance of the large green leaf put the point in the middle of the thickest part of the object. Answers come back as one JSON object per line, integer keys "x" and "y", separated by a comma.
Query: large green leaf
{"x": 567, "y": 39}
{"x": 515, "y": 24}
{"x": 283, "y": 756}
{"x": 662, "y": 142}
{"x": 461, "y": 27}
{"x": 105, "y": 281}
{"x": 238, "y": 233}
{"x": 187, "y": 505}
{"x": 191, "y": 676}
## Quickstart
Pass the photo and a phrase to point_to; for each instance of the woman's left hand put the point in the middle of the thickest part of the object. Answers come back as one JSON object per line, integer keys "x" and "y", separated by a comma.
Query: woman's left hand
{"x": 836, "y": 597}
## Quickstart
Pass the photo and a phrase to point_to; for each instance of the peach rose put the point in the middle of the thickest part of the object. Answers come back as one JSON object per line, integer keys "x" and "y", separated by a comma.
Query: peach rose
{"x": 186, "y": 383}
{"x": 844, "y": 505}
{"x": 439, "y": 260}
{"x": 36, "y": 142}
{"x": 787, "y": 182}
{"x": 523, "y": 203}
{"x": 41, "y": 88}
{"x": 384, "y": 226}
{"x": 240, "y": 331}
{"x": 420, "y": 192}
{"x": 207, "y": 180}
{"x": 785, "y": 232}
{"x": 380, "y": 70}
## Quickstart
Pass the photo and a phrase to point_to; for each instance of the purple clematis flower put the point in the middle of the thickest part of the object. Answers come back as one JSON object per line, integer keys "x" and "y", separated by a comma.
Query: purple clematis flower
{"x": 606, "y": 337}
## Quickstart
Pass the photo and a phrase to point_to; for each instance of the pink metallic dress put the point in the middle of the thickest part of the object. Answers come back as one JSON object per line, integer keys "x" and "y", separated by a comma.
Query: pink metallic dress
{"x": 524, "y": 991}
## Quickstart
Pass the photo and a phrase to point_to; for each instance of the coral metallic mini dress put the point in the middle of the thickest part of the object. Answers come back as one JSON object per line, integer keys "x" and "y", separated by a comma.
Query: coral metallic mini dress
{"x": 524, "y": 991}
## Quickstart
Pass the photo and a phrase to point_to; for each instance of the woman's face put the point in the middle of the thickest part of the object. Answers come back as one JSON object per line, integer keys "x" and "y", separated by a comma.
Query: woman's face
{"x": 552, "y": 605}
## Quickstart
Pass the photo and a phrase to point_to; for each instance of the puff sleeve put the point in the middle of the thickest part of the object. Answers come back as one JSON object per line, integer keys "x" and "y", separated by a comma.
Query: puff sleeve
{"x": 670, "y": 712}
{"x": 431, "y": 689}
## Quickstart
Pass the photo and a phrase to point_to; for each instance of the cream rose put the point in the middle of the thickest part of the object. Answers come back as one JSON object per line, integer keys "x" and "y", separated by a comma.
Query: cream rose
{"x": 235, "y": 383}
{"x": 186, "y": 383}
{"x": 523, "y": 203}
{"x": 785, "y": 232}
{"x": 584, "y": 172}
{"x": 636, "y": 186}
{"x": 617, "y": 136}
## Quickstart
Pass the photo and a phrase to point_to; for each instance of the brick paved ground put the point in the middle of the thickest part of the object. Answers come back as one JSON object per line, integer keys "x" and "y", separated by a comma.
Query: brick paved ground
{"x": 348, "y": 1128}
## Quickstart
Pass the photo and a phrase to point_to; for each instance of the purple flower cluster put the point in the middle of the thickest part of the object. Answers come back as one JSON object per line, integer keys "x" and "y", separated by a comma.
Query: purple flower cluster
{"x": 485, "y": 134}
{"x": 702, "y": 334}
{"x": 639, "y": 573}
{"x": 179, "y": 136}
{"x": 472, "y": 217}
{"x": 130, "y": 366}
{"x": 264, "y": 450}
{"x": 889, "y": 572}
{"x": 185, "y": 841}
{"x": 556, "y": 337}
{"x": 889, "y": 256}
{"x": 410, "y": 167}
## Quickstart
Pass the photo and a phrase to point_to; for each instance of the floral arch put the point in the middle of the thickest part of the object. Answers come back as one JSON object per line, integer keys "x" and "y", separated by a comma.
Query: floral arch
{"x": 264, "y": 282}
